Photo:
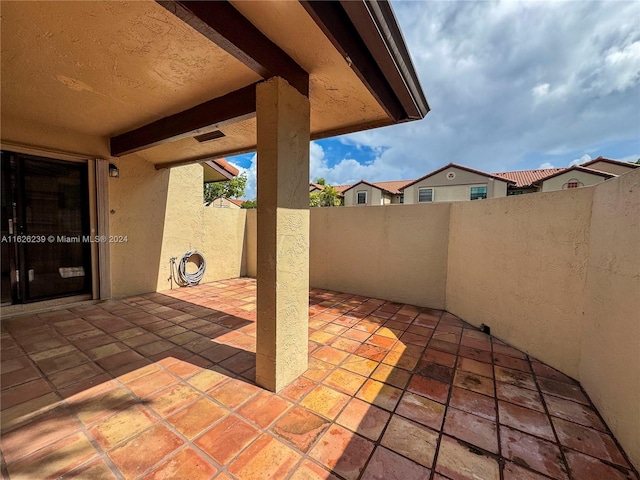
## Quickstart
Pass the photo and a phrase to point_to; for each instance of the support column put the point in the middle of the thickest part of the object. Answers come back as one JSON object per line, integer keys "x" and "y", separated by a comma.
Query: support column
{"x": 283, "y": 126}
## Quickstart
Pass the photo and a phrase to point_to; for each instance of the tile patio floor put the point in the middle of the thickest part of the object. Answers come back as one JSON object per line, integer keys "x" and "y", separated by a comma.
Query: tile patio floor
{"x": 160, "y": 386}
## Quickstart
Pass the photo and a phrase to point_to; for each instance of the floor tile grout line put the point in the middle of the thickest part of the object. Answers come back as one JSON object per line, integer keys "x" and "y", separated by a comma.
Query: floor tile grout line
{"x": 501, "y": 459}
{"x": 436, "y": 452}
{"x": 557, "y": 442}
{"x": 335, "y": 367}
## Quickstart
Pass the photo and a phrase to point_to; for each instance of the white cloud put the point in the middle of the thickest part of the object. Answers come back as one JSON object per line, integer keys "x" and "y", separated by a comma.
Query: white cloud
{"x": 507, "y": 81}
{"x": 540, "y": 90}
{"x": 250, "y": 190}
{"x": 511, "y": 85}
{"x": 546, "y": 165}
{"x": 579, "y": 161}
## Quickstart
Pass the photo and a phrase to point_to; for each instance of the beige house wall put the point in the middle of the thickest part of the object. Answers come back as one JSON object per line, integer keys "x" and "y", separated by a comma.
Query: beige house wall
{"x": 559, "y": 182}
{"x": 456, "y": 189}
{"x": 374, "y": 195}
{"x": 499, "y": 188}
{"x": 397, "y": 254}
{"x": 610, "y": 351}
{"x": 452, "y": 193}
{"x": 611, "y": 168}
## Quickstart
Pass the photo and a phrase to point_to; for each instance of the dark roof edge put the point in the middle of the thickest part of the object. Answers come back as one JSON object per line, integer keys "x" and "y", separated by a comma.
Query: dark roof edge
{"x": 371, "y": 185}
{"x": 367, "y": 35}
{"x": 461, "y": 167}
{"x": 221, "y": 166}
{"x": 580, "y": 168}
{"x": 611, "y": 161}
{"x": 382, "y": 35}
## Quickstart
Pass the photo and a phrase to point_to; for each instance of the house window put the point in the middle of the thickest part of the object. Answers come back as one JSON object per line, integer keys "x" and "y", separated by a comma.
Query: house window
{"x": 478, "y": 193}
{"x": 573, "y": 183}
{"x": 362, "y": 198}
{"x": 401, "y": 198}
{"x": 425, "y": 195}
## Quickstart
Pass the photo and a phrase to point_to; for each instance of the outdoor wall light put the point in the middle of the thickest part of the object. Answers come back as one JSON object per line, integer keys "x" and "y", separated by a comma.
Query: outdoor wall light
{"x": 113, "y": 171}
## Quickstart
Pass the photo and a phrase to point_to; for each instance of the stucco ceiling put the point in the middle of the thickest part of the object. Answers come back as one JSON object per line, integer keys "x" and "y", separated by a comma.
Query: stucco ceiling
{"x": 98, "y": 69}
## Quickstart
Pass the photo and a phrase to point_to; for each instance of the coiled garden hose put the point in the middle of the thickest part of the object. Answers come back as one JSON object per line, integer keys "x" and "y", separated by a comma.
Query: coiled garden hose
{"x": 179, "y": 272}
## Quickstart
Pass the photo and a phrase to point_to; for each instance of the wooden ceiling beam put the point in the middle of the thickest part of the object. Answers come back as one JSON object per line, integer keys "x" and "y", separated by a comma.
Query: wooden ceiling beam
{"x": 225, "y": 26}
{"x": 235, "y": 106}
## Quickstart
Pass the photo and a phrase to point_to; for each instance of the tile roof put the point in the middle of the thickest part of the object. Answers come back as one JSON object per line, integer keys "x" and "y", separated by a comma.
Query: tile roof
{"x": 461, "y": 167}
{"x": 526, "y": 178}
{"x": 342, "y": 188}
{"x": 609, "y": 160}
{"x": 393, "y": 187}
{"x": 580, "y": 168}
{"x": 236, "y": 201}
{"x": 222, "y": 163}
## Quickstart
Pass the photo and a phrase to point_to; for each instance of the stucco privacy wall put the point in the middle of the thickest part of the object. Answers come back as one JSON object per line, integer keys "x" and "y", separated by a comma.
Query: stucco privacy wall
{"x": 556, "y": 275}
{"x": 162, "y": 215}
{"x": 397, "y": 253}
{"x": 519, "y": 266}
{"x": 610, "y": 353}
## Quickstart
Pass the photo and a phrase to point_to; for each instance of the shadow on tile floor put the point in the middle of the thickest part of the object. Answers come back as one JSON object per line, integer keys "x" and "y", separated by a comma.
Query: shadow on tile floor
{"x": 162, "y": 386}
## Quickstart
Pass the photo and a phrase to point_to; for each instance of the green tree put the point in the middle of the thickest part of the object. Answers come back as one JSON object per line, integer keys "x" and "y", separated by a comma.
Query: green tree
{"x": 250, "y": 204}
{"x": 233, "y": 188}
{"x": 327, "y": 197}
{"x": 320, "y": 181}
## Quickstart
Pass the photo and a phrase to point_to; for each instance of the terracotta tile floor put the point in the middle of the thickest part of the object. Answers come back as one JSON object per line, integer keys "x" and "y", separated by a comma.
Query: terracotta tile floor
{"x": 160, "y": 386}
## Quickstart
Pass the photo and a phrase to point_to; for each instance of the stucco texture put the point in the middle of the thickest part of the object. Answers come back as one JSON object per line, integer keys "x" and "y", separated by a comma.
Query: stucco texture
{"x": 161, "y": 213}
{"x": 610, "y": 350}
{"x": 394, "y": 252}
{"x": 519, "y": 265}
{"x": 557, "y": 275}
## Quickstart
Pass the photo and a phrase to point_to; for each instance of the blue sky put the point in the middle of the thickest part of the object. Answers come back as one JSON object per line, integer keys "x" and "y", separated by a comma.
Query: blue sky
{"x": 512, "y": 86}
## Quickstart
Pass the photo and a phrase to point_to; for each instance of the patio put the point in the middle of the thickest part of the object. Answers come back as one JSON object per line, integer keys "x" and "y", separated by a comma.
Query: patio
{"x": 160, "y": 386}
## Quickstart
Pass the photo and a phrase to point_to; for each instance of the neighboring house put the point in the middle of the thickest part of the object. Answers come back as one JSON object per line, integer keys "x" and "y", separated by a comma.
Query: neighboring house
{"x": 572, "y": 177}
{"x": 525, "y": 180}
{"x": 218, "y": 170}
{"x": 379, "y": 193}
{"x": 315, "y": 187}
{"x": 222, "y": 202}
{"x": 455, "y": 183}
{"x": 608, "y": 165}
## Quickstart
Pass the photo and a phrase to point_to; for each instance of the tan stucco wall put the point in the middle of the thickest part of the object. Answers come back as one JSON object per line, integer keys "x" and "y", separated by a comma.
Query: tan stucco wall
{"x": 560, "y": 281}
{"x": 557, "y": 183}
{"x": 251, "y": 241}
{"x": 162, "y": 214}
{"x": 612, "y": 168}
{"x": 137, "y": 204}
{"x": 610, "y": 353}
{"x": 518, "y": 264}
{"x": 395, "y": 253}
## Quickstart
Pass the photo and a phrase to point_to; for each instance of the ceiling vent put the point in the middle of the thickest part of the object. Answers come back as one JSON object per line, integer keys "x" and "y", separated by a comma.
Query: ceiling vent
{"x": 206, "y": 137}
